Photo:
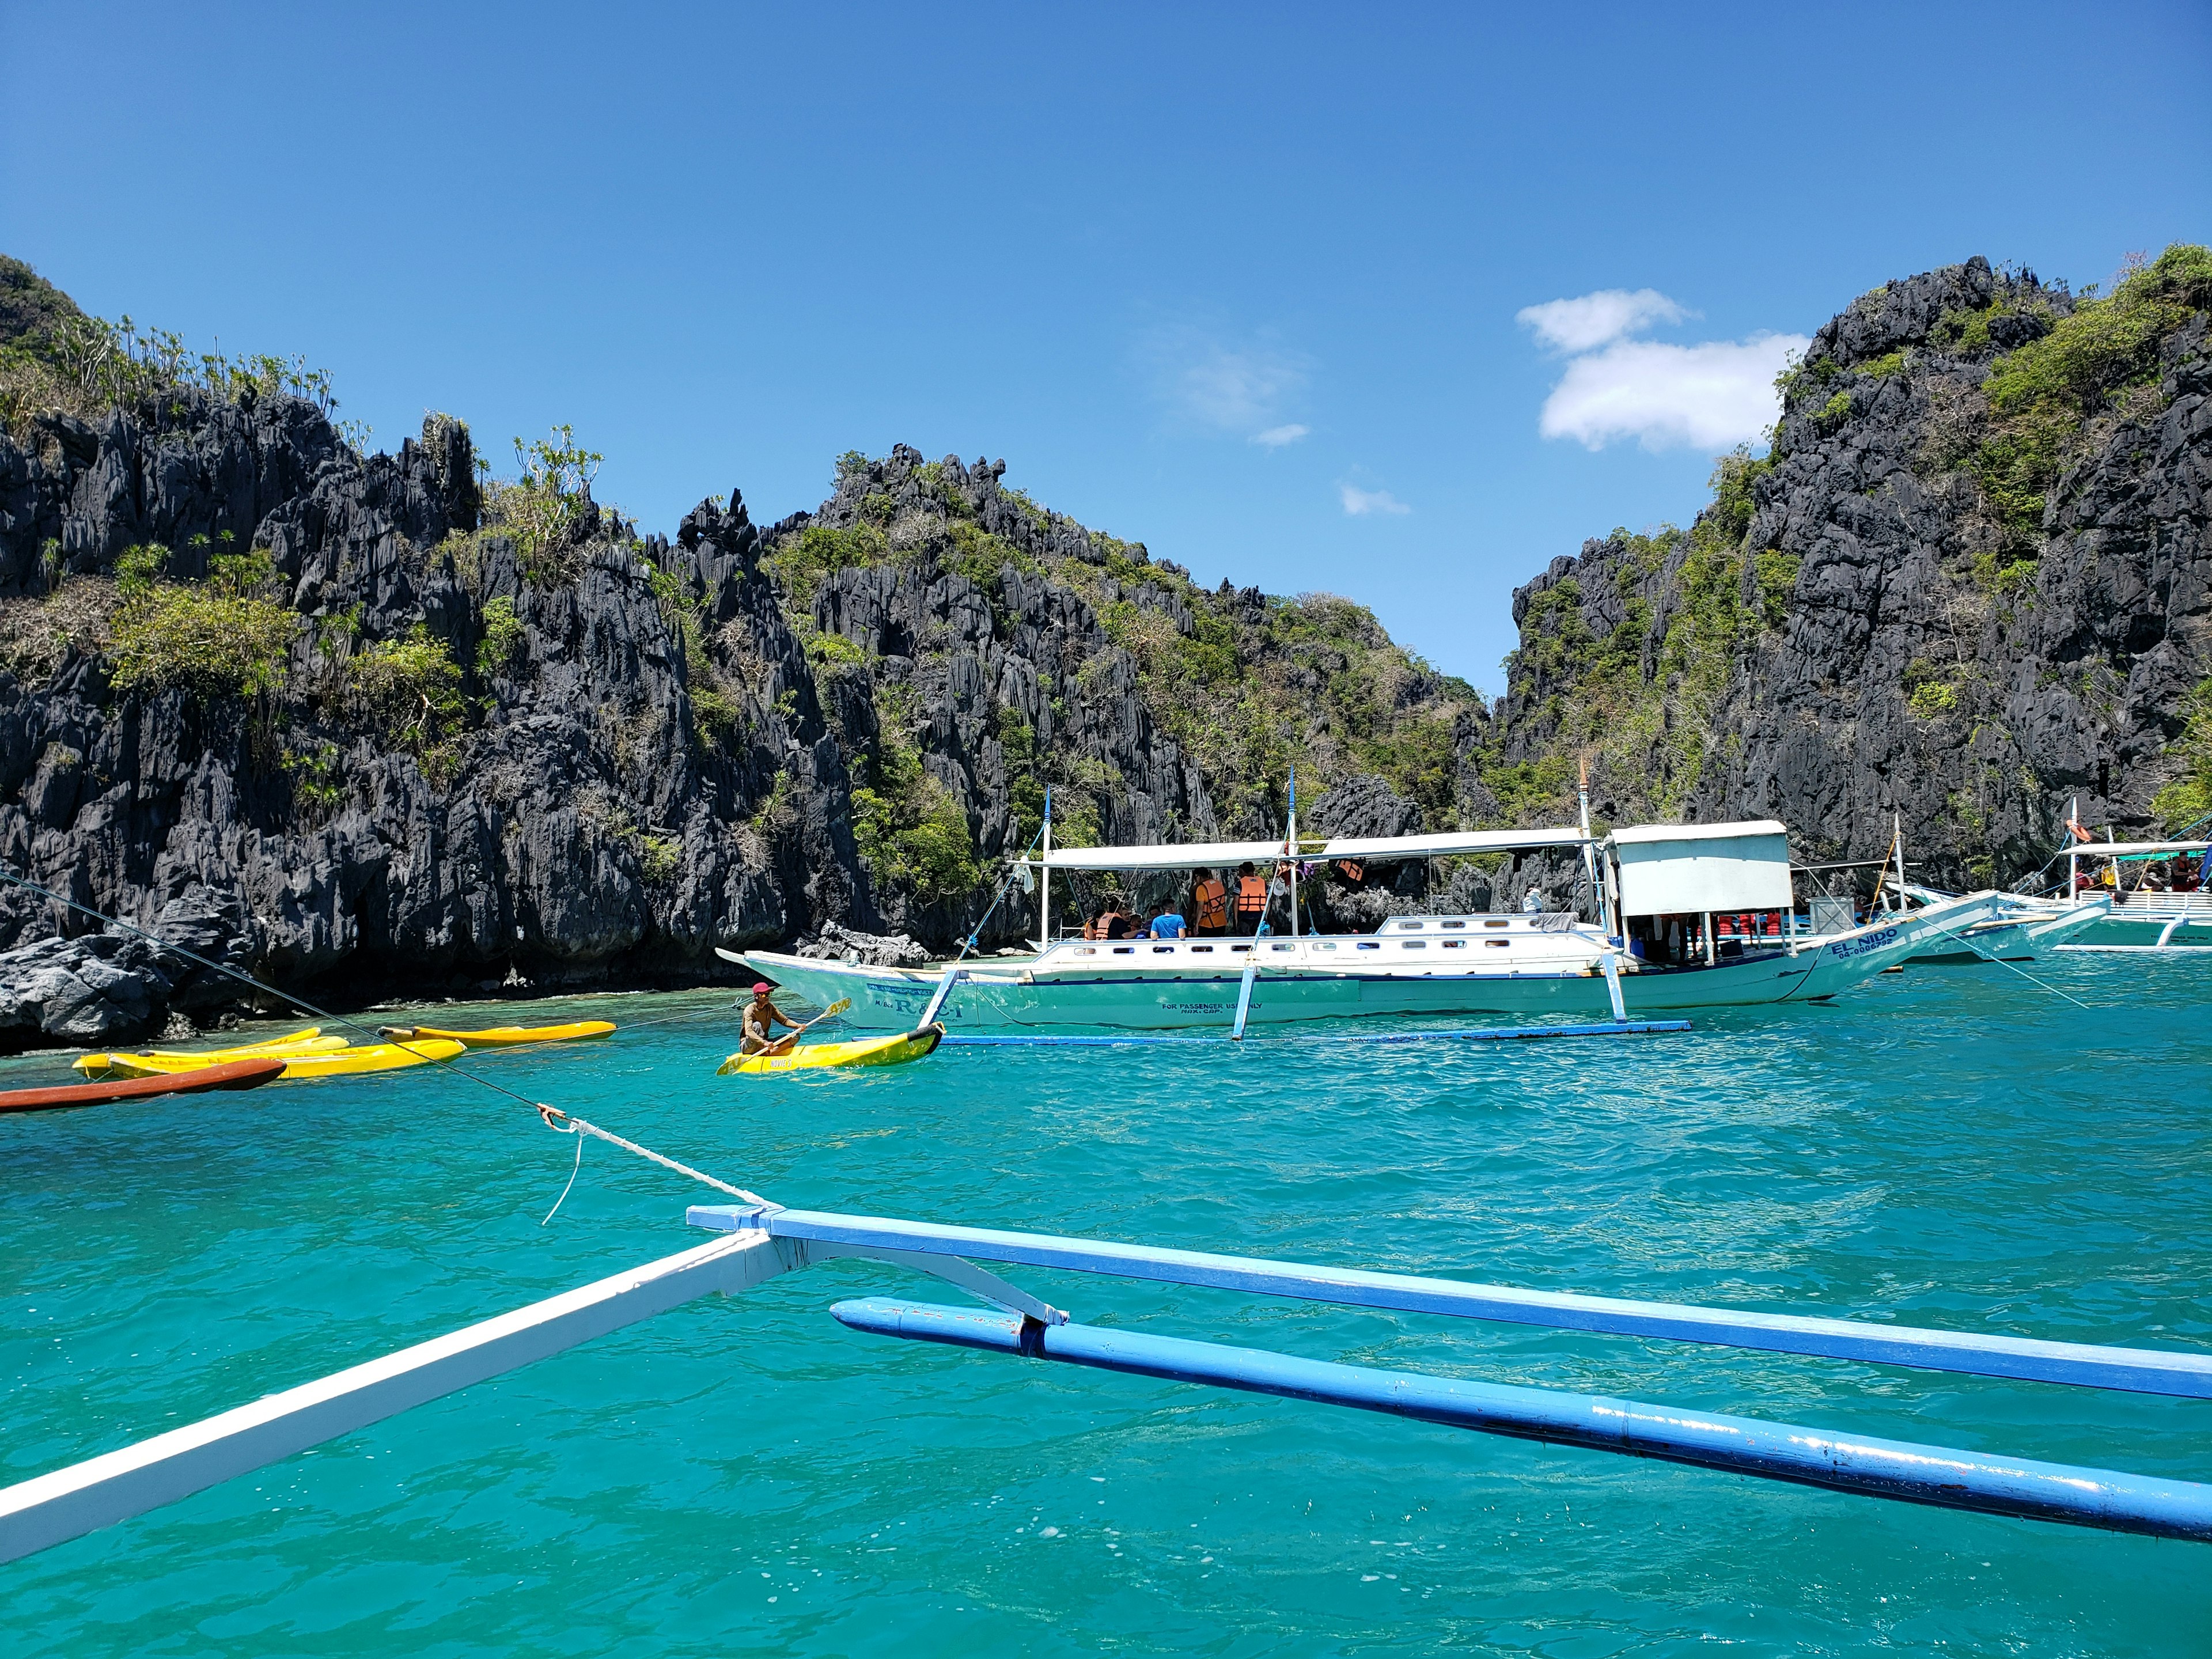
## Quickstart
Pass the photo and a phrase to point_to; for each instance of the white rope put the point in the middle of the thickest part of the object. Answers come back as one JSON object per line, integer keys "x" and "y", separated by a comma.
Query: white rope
{"x": 2021, "y": 971}
{"x": 573, "y": 1173}
{"x": 578, "y": 1125}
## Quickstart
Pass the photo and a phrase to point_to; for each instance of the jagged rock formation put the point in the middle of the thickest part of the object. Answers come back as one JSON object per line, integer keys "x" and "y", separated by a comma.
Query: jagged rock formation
{"x": 365, "y": 725}
{"x": 1971, "y": 581}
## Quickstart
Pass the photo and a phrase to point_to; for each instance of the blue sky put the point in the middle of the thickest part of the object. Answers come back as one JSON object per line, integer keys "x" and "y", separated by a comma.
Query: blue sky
{"x": 1114, "y": 247}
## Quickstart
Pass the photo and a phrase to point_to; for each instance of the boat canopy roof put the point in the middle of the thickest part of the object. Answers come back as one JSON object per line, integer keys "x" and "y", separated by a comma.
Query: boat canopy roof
{"x": 1674, "y": 869}
{"x": 2106, "y": 849}
{"x": 1193, "y": 855}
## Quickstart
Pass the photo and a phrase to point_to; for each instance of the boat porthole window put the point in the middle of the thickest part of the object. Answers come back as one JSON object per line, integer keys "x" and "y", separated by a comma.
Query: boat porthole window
{"x": 1240, "y": 947}
{"x": 1201, "y": 949}
{"x": 1414, "y": 945}
{"x": 1324, "y": 947}
{"x": 1455, "y": 944}
{"x": 1412, "y": 927}
{"x": 1163, "y": 949}
{"x": 1497, "y": 944}
{"x": 1498, "y": 922}
{"x": 1450, "y": 925}
{"x": 1125, "y": 949}
{"x": 1365, "y": 945}
{"x": 1281, "y": 947}
{"x": 1086, "y": 950}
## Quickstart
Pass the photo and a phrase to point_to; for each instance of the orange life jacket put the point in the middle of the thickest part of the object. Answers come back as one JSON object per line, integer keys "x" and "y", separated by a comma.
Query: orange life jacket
{"x": 1352, "y": 869}
{"x": 1251, "y": 895}
{"x": 1213, "y": 905}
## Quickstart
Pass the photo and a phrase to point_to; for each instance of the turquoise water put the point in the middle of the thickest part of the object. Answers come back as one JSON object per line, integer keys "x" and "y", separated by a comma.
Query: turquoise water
{"x": 1951, "y": 1147}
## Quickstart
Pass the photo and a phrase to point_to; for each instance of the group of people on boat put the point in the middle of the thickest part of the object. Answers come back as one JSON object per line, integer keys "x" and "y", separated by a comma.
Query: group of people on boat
{"x": 2182, "y": 873}
{"x": 1238, "y": 906}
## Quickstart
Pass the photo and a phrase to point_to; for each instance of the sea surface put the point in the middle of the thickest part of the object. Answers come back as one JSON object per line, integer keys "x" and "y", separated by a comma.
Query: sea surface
{"x": 1952, "y": 1146}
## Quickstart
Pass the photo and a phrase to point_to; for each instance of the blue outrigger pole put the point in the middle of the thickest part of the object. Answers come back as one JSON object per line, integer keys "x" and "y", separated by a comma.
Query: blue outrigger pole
{"x": 761, "y": 1242}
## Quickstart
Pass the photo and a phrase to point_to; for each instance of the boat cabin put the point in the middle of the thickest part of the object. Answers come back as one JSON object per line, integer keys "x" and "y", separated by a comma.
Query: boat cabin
{"x": 1696, "y": 894}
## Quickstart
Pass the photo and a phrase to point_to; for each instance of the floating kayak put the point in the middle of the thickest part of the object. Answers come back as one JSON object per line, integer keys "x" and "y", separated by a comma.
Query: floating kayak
{"x": 868, "y": 1051}
{"x": 238, "y": 1074}
{"x": 309, "y": 1041}
{"x": 343, "y": 1062}
{"x": 504, "y": 1036}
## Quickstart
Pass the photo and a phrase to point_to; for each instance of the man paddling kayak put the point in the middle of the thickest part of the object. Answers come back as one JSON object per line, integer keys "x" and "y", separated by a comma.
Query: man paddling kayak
{"x": 761, "y": 1016}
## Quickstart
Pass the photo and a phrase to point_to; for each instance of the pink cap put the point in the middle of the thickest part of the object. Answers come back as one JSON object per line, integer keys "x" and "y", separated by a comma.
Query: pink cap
{"x": 761, "y": 989}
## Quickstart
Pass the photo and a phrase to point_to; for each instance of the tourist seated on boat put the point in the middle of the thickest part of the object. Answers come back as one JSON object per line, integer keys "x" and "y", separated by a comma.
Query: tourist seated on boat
{"x": 1167, "y": 924}
{"x": 1251, "y": 899}
{"x": 1209, "y": 905}
{"x": 1123, "y": 924}
{"x": 1111, "y": 922}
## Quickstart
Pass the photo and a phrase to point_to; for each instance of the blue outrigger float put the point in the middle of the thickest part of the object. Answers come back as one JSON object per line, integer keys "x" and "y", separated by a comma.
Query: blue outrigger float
{"x": 761, "y": 1241}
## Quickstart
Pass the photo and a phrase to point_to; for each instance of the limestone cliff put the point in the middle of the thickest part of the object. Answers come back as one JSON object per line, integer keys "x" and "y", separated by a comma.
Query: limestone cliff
{"x": 1971, "y": 581}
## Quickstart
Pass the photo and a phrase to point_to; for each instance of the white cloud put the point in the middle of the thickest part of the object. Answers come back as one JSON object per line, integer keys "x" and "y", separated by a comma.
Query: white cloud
{"x": 1359, "y": 503}
{"x": 1585, "y": 323}
{"x": 1276, "y": 436}
{"x": 1208, "y": 382}
{"x": 1709, "y": 396}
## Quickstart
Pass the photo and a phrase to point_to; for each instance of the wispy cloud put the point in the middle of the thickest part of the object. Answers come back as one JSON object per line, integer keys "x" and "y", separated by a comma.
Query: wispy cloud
{"x": 1709, "y": 396}
{"x": 1585, "y": 323}
{"x": 1225, "y": 385}
{"x": 1360, "y": 503}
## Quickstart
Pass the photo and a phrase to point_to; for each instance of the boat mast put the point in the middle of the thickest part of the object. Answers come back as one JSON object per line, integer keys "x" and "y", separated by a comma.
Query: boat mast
{"x": 1589, "y": 854}
{"x": 1896, "y": 840}
{"x": 1290, "y": 845}
{"x": 2073, "y": 851}
{"x": 1045, "y": 882}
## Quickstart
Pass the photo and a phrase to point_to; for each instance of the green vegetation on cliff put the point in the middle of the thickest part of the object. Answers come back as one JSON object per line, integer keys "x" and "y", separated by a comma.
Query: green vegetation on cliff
{"x": 2045, "y": 397}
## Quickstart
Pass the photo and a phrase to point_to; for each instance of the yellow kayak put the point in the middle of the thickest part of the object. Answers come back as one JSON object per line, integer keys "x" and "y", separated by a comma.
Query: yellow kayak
{"x": 309, "y": 1041}
{"x": 505, "y": 1036}
{"x": 868, "y": 1051}
{"x": 342, "y": 1062}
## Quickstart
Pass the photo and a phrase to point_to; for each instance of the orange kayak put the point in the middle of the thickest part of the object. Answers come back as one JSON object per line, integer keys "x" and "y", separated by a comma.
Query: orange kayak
{"x": 236, "y": 1074}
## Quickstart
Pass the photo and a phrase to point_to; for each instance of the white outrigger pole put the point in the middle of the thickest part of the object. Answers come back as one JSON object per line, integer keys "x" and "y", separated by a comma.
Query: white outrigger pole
{"x": 764, "y": 1241}
{"x": 1044, "y": 881}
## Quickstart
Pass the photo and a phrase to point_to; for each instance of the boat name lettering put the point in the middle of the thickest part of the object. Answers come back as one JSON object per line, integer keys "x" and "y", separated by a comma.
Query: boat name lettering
{"x": 1858, "y": 947}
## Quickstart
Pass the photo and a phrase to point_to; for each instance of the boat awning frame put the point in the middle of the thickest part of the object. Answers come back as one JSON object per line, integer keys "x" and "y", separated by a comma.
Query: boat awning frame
{"x": 1212, "y": 854}
{"x": 2127, "y": 849}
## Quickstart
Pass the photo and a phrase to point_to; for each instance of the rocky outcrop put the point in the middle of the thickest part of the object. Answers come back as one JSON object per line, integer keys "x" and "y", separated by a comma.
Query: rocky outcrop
{"x": 1897, "y": 612}
{"x": 594, "y": 756}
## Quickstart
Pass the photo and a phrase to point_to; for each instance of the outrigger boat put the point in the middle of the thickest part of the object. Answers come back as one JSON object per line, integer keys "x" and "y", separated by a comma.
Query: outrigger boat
{"x": 2139, "y": 918}
{"x": 1661, "y": 889}
{"x": 2022, "y": 929}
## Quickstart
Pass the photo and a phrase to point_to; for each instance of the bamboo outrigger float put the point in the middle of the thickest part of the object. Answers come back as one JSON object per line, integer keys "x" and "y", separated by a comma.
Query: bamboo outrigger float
{"x": 761, "y": 1242}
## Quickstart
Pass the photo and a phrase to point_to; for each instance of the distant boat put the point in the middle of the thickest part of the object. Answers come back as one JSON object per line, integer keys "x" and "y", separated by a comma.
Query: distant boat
{"x": 2143, "y": 917}
{"x": 1664, "y": 887}
{"x": 2022, "y": 929}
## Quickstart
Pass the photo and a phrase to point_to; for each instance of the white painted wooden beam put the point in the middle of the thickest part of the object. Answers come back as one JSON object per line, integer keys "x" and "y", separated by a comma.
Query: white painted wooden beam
{"x": 51, "y": 1508}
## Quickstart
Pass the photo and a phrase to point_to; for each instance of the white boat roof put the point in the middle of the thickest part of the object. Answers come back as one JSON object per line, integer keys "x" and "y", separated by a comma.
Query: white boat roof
{"x": 2129, "y": 848}
{"x": 1641, "y": 833}
{"x": 1210, "y": 854}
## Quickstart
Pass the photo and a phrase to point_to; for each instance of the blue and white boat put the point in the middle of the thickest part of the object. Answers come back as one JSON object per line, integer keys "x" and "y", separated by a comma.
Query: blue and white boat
{"x": 1658, "y": 951}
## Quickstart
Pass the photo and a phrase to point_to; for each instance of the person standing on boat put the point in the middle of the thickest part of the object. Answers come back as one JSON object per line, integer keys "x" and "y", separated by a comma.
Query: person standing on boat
{"x": 1168, "y": 924}
{"x": 1210, "y": 905}
{"x": 757, "y": 1029}
{"x": 1251, "y": 899}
